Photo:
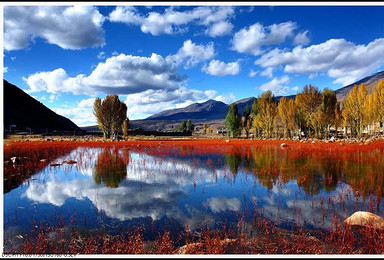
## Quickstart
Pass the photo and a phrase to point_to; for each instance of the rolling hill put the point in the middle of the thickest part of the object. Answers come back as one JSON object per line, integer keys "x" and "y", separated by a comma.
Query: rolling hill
{"x": 24, "y": 111}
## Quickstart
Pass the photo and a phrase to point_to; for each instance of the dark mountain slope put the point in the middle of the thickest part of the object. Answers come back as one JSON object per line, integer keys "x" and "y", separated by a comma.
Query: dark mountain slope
{"x": 22, "y": 110}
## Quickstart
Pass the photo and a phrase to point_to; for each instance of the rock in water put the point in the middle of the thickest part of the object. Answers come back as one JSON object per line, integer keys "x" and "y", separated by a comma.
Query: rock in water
{"x": 364, "y": 219}
{"x": 15, "y": 160}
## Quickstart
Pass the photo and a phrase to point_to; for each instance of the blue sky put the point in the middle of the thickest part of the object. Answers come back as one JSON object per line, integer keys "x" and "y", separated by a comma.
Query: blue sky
{"x": 162, "y": 57}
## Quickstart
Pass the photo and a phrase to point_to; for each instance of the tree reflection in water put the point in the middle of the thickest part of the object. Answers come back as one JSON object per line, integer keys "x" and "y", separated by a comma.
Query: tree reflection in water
{"x": 111, "y": 167}
{"x": 313, "y": 171}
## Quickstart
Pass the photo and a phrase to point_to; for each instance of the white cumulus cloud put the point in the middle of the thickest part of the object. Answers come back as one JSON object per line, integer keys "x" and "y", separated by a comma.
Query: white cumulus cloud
{"x": 253, "y": 38}
{"x": 191, "y": 53}
{"x": 301, "y": 38}
{"x": 268, "y": 72}
{"x": 219, "y": 29}
{"x": 70, "y": 27}
{"x": 220, "y": 68}
{"x": 172, "y": 21}
{"x": 278, "y": 86}
{"x": 122, "y": 74}
{"x": 81, "y": 114}
{"x": 252, "y": 73}
{"x": 341, "y": 59}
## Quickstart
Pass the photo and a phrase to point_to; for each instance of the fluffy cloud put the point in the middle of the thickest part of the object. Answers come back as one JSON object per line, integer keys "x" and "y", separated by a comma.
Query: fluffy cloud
{"x": 301, "y": 38}
{"x": 56, "y": 81}
{"x": 70, "y": 27}
{"x": 219, "y": 68}
{"x": 278, "y": 86}
{"x": 172, "y": 21}
{"x": 252, "y": 39}
{"x": 252, "y": 73}
{"x": 343, "y": 60}
{"x": 220, "y": 29}
{"x": 151, "y": 84}
{"x": 82, "y": 114}
{"x": 122, "y": 74}
{"x": 268, "y": 72}
{"x": 191, "y": 53}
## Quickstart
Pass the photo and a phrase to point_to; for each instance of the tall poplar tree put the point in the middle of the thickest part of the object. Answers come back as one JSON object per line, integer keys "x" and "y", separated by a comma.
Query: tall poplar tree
{"x": 233, "y": 121}
{"x": 247, "y": 120}
{"x": 354, "y": 111}
{"x": 307, "y": 102}
{"x": 267, "y": 111}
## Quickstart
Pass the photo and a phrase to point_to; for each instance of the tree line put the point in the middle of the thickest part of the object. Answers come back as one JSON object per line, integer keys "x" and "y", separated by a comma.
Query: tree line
{"x": 312, "y": 113}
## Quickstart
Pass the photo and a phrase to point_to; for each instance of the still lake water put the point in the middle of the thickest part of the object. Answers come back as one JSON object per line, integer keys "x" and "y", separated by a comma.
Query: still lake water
{"x": 160, "y": 189}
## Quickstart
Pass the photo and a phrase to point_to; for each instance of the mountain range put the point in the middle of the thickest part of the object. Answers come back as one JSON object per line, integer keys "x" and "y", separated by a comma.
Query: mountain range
{"x": 24, "y": 111}
{"x": 213, "y": 109}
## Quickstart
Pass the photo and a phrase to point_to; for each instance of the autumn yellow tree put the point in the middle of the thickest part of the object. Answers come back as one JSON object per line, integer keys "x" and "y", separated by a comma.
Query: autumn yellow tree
{"x": 287, "y": 116}
{"x": 255, "y": 118}
{"x": 379, "y": 103}
{"x": 125, "y": 127}
{"x": 282, "y": 109}
{"x": 318, "y": 122}
{"x": 267, "y": 111}
{"x": 110, "y": 114}
{"x": 338, "y": 117}
{"x": 307, "y": 102}
{"x": 354, "y": 109}
{"x": 205, "y": 128}
{"x": 291, "y": 117}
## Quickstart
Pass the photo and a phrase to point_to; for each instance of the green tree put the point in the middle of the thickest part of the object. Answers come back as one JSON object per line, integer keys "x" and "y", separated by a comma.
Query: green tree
{"x": 247, "y": 120}
{"x": 182, "y": 127}
{"x": 110, "y": 114}
{"x": 328, "y": 107}
{"x": 233, "y": 121}
{"x": 190, "y": 126}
